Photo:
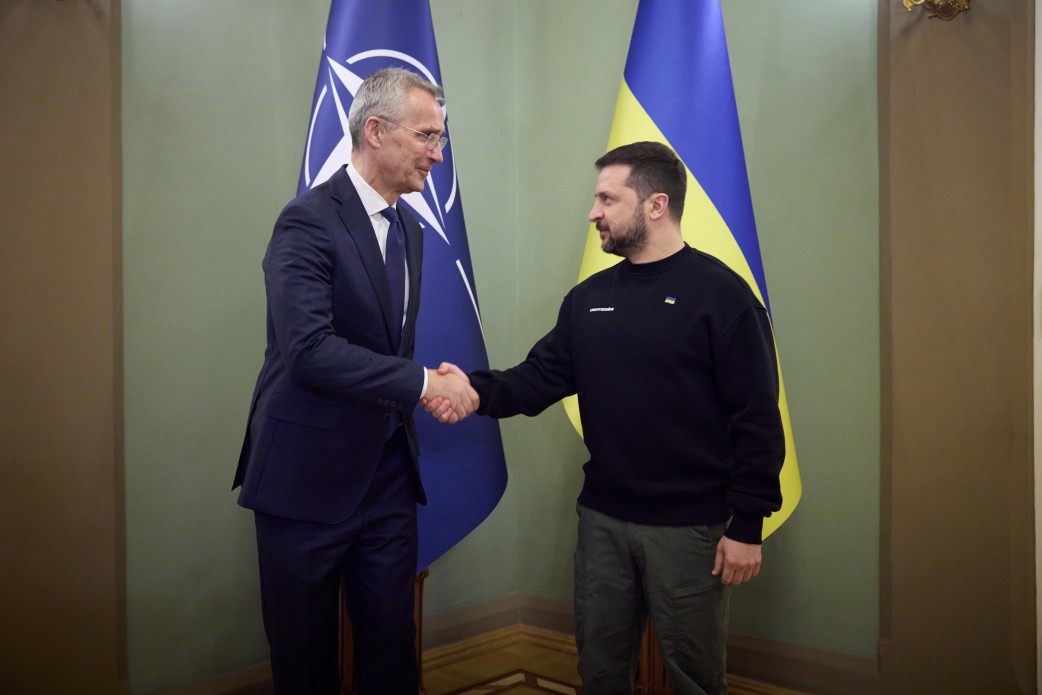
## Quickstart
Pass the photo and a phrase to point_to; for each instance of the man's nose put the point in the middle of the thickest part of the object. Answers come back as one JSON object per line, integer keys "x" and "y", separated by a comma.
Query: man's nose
{"x": 436, "y": 154}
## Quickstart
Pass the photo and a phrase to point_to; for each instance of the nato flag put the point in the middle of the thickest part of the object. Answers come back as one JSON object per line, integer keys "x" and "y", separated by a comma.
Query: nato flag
{"x": 463, "y": 468}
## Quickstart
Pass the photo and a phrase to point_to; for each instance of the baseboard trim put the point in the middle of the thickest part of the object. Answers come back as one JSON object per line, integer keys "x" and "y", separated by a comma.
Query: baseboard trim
{"x": 519, "y": 619}
{"x": 802, "y": 668}
{"x": 245, "y": 680}
{"x": 563, "y": 642}
{"x": 512, "y": 610}
{"x": 526, "y": 635}
{"x": 477, "y": 645}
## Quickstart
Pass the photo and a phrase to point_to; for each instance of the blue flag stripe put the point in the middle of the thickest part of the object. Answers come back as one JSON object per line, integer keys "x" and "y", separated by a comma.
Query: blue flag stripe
{"x": 679, "y": 71}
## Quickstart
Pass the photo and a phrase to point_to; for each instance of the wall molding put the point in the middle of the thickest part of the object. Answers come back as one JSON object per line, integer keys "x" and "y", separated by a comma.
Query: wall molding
{"x": 239, "y": 682}
{"x": 479, "y": 628}
{"x": 757, "y": 666}
{"x": 801, "y": 667}
{"x": 466, "y": 622}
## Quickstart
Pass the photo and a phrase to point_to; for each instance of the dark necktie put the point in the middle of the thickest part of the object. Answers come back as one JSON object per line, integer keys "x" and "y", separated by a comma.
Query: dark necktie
{"x": 394, "y": 259}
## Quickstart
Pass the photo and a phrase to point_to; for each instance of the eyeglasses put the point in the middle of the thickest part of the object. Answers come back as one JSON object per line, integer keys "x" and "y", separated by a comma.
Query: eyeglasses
{"x": 430, "y": 139}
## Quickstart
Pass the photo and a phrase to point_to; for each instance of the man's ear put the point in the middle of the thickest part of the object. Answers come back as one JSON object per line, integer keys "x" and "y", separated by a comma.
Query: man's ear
{"x": 659, "y": 205}
{"x": 372, "y": 132}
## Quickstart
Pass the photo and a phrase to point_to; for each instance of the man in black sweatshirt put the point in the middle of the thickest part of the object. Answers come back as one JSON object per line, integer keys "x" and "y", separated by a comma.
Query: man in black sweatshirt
{"x": 672, "y": 357}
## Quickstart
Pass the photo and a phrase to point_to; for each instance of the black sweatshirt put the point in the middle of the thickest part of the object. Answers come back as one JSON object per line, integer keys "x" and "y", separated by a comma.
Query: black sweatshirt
{"x": 674, "y": 365}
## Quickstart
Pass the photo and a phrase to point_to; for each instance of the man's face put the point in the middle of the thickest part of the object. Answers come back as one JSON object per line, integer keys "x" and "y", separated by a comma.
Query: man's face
{"x": 617, "y": 213}
{"x": 406, "y": 161}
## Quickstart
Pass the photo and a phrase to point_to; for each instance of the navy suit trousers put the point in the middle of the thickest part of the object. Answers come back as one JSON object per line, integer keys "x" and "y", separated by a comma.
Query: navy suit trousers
{"x": 374, "y": 553}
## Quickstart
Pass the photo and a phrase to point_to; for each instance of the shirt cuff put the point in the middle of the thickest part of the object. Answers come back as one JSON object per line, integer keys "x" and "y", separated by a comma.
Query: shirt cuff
{"x": 423, "y": 392}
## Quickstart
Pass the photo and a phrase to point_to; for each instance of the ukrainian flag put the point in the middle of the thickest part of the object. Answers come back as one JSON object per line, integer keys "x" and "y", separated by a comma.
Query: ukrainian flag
{"x": 677, "y": 90}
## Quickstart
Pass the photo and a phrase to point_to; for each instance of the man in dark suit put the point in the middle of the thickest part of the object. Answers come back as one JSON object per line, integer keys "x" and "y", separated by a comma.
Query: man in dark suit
{"x": 329, "y": 462}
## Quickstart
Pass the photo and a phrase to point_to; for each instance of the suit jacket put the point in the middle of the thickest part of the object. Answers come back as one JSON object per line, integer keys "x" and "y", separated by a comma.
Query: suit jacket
{"x": 333, "y": 388}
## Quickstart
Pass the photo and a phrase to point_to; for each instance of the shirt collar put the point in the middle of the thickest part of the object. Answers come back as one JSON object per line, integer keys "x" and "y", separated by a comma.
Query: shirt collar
{"x": 371, "y": 200}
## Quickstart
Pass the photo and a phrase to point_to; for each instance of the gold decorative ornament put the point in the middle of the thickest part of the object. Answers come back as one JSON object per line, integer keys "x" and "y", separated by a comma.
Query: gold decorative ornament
{"x": 945, "y": 9}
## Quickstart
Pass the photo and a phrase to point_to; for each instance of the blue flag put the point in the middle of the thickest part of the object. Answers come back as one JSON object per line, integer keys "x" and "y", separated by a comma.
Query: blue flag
{"x": 463, "y": 467}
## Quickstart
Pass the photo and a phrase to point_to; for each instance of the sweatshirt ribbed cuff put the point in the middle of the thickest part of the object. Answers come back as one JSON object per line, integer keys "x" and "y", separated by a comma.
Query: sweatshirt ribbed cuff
{"x": 746, "y": 529}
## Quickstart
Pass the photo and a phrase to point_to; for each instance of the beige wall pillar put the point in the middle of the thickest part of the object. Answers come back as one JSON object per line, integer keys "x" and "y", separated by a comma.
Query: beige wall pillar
{"x": 61, "y": 530}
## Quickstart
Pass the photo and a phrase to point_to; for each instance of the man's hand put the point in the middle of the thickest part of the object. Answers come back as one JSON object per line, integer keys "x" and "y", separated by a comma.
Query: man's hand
{"x": 440, "y": 409}
{"x": 449, "y": 397}
{"x": 739, "y": 562}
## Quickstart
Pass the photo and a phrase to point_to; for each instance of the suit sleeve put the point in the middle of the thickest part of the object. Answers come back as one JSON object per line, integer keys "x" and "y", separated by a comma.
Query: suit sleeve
{"x": 545, "y": 377}
{"x": 299, "y": 271}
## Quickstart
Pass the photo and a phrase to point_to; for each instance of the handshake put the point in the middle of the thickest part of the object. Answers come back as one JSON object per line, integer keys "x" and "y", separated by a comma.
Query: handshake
{"x": 449, "y": 397}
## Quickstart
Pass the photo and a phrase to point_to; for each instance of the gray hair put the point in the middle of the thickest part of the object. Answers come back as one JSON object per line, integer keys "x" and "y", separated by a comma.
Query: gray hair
{"x": 383, "y": 94}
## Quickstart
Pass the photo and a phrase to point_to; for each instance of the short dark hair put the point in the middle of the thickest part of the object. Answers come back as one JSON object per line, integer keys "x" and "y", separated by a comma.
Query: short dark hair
{"x": 654, "y": 168}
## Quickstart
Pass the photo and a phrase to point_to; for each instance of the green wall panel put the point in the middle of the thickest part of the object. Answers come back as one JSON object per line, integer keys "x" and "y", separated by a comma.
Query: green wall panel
{"x": 214, "y": 112}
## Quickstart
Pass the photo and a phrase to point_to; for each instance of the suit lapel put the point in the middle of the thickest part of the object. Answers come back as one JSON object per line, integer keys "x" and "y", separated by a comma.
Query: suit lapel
{"x": 360, "y": 228}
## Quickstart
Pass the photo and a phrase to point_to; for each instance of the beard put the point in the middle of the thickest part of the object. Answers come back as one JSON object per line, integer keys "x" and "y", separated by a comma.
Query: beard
{"x": 628, "y": 240}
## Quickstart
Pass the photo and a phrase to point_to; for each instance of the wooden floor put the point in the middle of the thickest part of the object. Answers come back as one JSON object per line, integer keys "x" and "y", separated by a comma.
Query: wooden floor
{"x": 523, "y": 660}
{"x": 518, "y": 668}
{"x": 518, "y": 660}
